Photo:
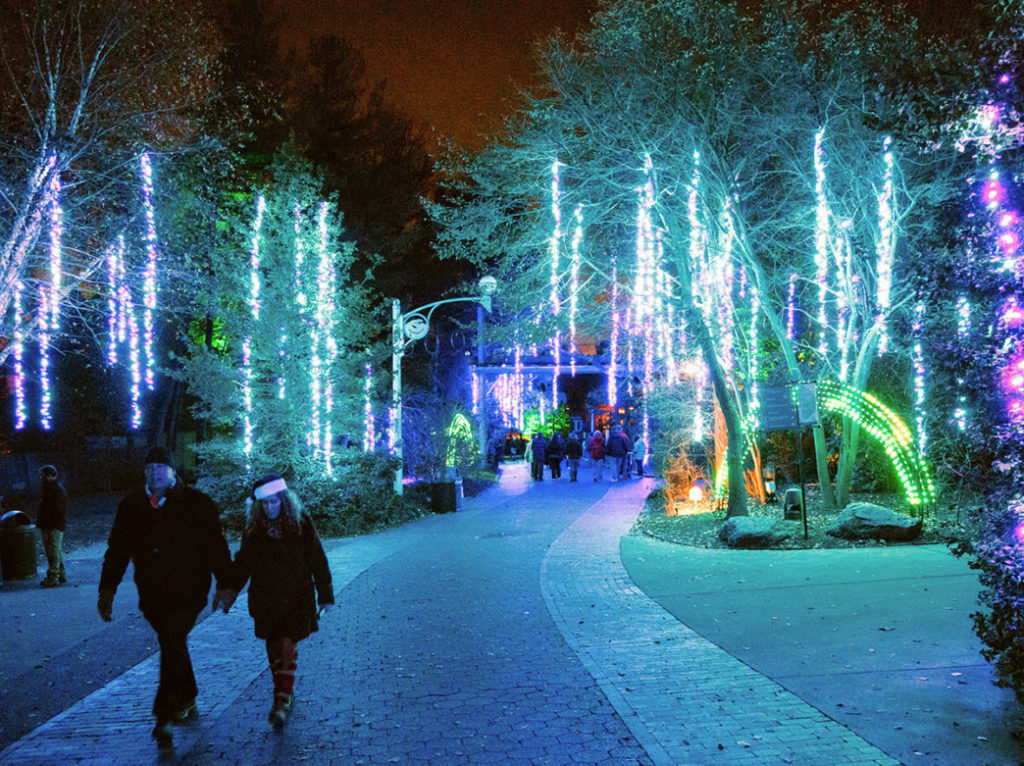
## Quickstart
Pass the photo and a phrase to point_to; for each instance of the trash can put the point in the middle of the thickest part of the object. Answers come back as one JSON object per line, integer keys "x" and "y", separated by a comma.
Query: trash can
{"x": 446, "y": 496}
{"x": 17, "y": 546}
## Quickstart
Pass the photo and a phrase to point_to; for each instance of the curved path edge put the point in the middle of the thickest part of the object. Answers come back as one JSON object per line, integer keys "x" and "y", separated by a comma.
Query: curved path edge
{"x": 685, "y": 699}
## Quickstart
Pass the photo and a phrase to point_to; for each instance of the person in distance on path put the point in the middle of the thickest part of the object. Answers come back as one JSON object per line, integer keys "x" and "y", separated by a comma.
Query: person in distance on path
{"x": 172, "y": 535}
{"x": 284, "y": 562}
{"x": 51, "y": 519}
{"x": 573, "y": 453}
{"x": 596, "y": 448}
{"x": 555, "y": 454}
{"x": 538, "y": 456}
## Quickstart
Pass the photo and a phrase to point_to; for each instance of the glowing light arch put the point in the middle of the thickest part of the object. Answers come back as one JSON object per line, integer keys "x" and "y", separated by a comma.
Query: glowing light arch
{"x": 459, "y": 431}
{"x": 881, "y": 423}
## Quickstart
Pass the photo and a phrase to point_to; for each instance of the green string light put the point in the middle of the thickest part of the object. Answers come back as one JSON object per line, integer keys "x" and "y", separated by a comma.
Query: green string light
{"x": 880, "y": 422}
{"x": 883, "y": 424}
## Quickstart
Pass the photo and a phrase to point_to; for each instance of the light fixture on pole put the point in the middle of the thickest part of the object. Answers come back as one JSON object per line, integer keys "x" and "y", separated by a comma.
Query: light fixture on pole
{"x": 408, "y": 328}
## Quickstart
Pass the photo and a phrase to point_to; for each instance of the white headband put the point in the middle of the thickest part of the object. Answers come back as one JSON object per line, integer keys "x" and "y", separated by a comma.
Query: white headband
{"x": 270, "y": 488}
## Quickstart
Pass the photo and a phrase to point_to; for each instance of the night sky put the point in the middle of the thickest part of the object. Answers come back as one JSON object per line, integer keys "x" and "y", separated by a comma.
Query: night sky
{"x": 455, "y": 65}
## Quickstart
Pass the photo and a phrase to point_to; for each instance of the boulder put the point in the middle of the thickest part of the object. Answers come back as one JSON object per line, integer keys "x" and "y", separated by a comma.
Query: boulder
{"x": 866, "y": 521}
{"x": 753, "y": 532}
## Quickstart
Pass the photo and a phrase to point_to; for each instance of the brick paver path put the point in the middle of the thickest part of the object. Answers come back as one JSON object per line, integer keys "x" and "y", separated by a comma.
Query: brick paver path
{"x": 507, "y": 633}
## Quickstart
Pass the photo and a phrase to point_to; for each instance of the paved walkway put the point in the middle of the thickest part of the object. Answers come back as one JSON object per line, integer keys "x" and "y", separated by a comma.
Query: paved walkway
{"x": 506, "y": 633}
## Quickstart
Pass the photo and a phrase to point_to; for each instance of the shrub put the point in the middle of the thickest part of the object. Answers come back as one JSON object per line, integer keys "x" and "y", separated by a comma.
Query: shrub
{"x": 999, "y": 561}
{"x": 357, "y": 499}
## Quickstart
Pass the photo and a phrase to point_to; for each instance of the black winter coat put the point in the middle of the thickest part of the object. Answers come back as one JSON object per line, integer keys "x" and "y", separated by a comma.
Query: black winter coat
{"x": 617, "y": 445}
{"x": 539, "y": 447}
{"x": 53, "y": 506}
{"x": 174, "y": 548}
{"x": 556, "y": 448}
{"x": 284, "y": 572}
{"x": 573, "y": 448}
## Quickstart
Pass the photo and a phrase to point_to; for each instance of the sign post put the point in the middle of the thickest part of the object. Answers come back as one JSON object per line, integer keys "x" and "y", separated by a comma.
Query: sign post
{"x": 791, "y": 407}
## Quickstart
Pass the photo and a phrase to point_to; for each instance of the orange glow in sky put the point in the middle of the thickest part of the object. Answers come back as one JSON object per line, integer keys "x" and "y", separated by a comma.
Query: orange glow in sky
{"x": 455, "y": 65}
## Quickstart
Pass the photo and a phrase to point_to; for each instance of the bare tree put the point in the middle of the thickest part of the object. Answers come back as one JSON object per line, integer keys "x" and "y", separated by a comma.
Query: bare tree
{"x": 85, "y": 87}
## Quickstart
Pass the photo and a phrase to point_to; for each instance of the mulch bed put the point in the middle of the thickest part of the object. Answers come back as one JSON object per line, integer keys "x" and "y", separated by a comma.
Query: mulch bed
{"x": 942, "y": 524}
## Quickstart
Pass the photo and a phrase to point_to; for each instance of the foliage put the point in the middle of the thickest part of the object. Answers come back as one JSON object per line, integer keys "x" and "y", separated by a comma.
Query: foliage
{"x": 430, "y": 446}
{"x": 87, "y": 86}
{"x": 999, "y": 561}
{"x": 311, "y": 338}
{"x": 740, "y": 112}
{"x": 559, "y": 420}
{"x": 357, "y": 499}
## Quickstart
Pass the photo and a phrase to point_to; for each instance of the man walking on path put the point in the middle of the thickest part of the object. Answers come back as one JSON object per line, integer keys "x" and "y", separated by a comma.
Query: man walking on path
{"x": 555, "y": 453}
{"x": 538, "y": 456}
{"x": 617, "y": 449}
{"x": 51, "y": 519}
{"x": 172, "y": 535}
{"x": 596, "y": 448}
{"x": 573, "y": 453}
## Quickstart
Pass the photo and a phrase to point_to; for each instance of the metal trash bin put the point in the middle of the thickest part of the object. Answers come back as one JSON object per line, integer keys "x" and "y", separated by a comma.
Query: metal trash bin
{"x": 17, "y": 546}
{"x": 446, "y": 496}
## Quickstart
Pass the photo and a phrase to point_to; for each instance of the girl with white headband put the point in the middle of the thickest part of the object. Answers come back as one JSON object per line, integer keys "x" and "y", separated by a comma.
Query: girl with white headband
{"x": 282, "y": 555}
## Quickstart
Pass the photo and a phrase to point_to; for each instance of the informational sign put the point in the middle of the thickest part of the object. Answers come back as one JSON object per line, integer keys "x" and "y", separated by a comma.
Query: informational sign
{"x": 807, "y": 404}
{"x": 777, "y": 410}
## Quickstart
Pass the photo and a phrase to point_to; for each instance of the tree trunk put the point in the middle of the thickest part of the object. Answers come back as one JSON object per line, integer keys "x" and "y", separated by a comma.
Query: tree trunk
{"x": 828, "y": 500}
{"x": 730, "y": 411}
{"x": 851, "y": 431}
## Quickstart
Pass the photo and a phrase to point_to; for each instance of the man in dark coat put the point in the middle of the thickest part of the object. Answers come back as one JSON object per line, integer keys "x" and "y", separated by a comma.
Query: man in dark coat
{"x": 51, "y": 519}
{"x": 573, "y": 453}
{"x": 538, "y": 455}
{"x": 172, "y": 534}
{"x": 616, "y": 449}
{"x": 555, "y": 454}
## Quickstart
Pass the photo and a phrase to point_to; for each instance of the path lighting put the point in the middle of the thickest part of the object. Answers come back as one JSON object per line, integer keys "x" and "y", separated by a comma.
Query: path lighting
{"x": 410, "y": 327}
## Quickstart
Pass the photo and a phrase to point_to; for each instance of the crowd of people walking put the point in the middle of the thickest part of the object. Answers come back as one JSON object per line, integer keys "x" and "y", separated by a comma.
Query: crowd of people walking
{"x": 621, "y": 455}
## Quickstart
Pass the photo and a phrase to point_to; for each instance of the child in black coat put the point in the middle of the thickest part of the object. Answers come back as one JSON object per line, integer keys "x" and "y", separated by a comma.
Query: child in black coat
{"x": 282, "y": 556}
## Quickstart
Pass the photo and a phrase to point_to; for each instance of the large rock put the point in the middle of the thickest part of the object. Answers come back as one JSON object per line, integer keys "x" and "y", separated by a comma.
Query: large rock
{"x": 866, "y": 521}
{"x": 753, "y": 532}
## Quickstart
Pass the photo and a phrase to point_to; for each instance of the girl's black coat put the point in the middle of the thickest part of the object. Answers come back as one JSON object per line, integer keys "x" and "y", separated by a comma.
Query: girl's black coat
{"x": 284, "y": 572}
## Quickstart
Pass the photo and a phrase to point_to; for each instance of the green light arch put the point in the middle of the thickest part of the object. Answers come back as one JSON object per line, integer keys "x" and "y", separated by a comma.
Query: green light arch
{"x": 459, "y": 433}
{"x": 884, "y": 425}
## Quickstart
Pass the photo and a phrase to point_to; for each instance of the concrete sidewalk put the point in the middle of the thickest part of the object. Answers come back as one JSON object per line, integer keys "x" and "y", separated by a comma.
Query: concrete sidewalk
{"x": 513, "y": 632}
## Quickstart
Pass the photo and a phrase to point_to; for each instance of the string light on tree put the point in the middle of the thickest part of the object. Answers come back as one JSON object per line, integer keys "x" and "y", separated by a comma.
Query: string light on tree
{"x": 134, "y": 362}
{"x": 56, "y": 266}
{"x": 369, "y": 437}
{"x": 149, "y": 274}
{"x": 254, "y": 310}
{"x": 919, "y": 377}
{"x": 577, "y": 238}
{"x": 886, "y": 246}
{"x": 20, "y": 408}
{"x": 822, "y": 217}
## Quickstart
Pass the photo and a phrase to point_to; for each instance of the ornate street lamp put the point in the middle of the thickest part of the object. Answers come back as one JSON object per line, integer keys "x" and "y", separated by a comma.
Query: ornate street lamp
{"x": 413, "y": 326}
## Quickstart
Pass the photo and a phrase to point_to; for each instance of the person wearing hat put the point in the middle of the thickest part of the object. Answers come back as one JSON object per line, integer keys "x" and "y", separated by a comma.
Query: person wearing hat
{"x": 51, "y": 519}
{"x": 172, "y": 535}
{"x": 284, "y": 562}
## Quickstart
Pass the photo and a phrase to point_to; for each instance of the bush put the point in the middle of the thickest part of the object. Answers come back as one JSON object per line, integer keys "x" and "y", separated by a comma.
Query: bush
{"x": 359, "y": 498}
{"x": 999, "y": 561}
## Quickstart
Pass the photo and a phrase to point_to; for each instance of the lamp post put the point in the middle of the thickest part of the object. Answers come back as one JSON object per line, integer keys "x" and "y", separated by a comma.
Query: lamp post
{"x": 408, "y": 328}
